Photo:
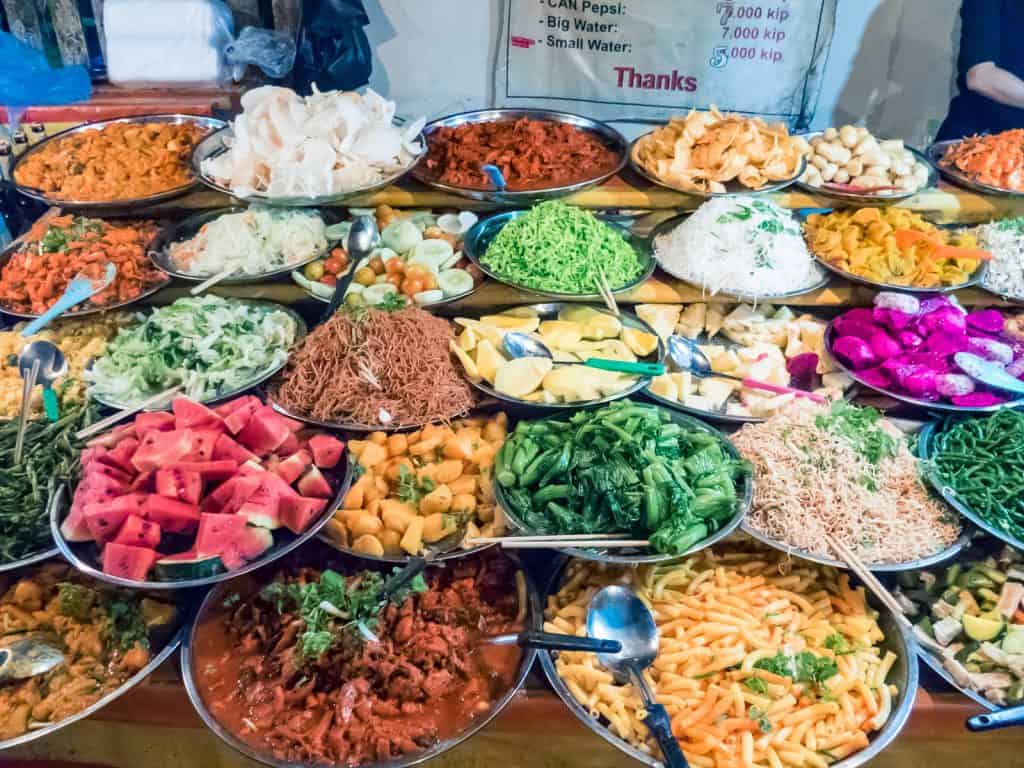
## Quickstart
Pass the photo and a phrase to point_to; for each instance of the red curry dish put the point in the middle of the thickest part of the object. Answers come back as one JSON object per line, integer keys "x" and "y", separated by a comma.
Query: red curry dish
{"x": 380, "y": 689}
{"x": 532, "y": 154}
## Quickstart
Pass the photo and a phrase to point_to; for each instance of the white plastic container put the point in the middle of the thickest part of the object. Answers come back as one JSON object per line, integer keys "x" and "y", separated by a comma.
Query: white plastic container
{"x": 166, "y": 42}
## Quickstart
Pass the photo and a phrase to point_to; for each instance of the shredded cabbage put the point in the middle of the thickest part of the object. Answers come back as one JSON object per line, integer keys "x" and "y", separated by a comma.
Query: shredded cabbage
{"x": 208, "y": 344}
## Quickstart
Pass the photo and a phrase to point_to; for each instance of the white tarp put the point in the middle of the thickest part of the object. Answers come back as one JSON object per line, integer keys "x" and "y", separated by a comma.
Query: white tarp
{"x": 653, "y": 58}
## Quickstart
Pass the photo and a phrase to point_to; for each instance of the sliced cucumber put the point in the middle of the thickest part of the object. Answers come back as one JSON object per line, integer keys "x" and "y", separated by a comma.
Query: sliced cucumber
{"x": 457, "y": 225}
{"x": 428, "y": 297}
{"x": 374, "y": 294}
{"x": 321, "y": 289}
{"x": 179, "y": 568}
{"x": 431, "y": 253}
{"x": 401, "y": 235}
{"x": 455, "y": 282}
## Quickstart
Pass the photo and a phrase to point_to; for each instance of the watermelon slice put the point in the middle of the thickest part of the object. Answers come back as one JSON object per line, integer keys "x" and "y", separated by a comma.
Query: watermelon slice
{"x": 265, "y": 431}
{"x": 293, "y": 424}
{"x": 276, "y": 484}
{"x": 145, "y": 482}
{"x": 215, "y": 531}
{"x": 114, "y": 473}
{"x": 261, "y": 508}
{"x": 104, "y": 520}
{"x": 113, "y": 437}
{"x": 215, "y": 471}
{"x": 252, "y": 543}
{"x": 189, "y": 414}
{"x": 89, "y": 455}
{"x": 74, "y": 528}
{"x": 243, "y": 489}
{"x": 289, "y": 446}
{"x": 226, "y": 409}
{"x": 239, "y": 418}
{"x": 139, "y": 533}
{"x": 291, "y": 469}
{"x": 326, "y": 450}
{"x": 131, "y": 503}
{"x": 219, "y": 498}
{"x": 172, "y": 516}
{"x": 298, "y": 512}
{"x": 101, "y": 484}
{"x": 227, "y": 448}
{"x": 179, "y": 484}
{"x": 120, "y": 456}
{"x": 203, "y": 443}
{"x": 313, "y": 483}
{"x": 128, "y": 562}
{"x": 159, "y": 449}
{"x": 187, "y": 565}
{"x": 159, "y": 421}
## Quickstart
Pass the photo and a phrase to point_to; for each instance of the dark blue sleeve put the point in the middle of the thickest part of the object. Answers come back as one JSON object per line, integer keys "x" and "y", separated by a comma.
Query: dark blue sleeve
{"x": 979, "y": 33}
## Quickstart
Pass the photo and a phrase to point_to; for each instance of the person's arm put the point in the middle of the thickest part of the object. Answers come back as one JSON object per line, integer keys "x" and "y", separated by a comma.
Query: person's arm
{"x": 996, "y": 83}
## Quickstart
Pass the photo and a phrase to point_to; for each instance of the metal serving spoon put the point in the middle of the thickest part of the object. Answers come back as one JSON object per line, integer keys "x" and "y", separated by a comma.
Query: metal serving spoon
{"x": 618, "y": 614}
{"x": 686, "y": 356}
{"x": 363, "y": 237}
{"x": 988, "y": 373}
{"x": 52, "y": 365}
{"x": 551, "y": 641}
{"x": 78, "y": 290}
{"x": 518, "y": 344}
{"x": 28, "y": 656}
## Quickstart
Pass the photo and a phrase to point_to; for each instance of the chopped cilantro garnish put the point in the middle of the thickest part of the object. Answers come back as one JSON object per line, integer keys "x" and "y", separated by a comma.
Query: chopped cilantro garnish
{"x": 803, "y": 667}
{"x": 757, "y": 685}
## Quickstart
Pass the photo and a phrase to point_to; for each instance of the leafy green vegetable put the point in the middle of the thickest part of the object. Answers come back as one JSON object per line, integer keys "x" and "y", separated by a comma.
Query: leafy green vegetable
{"x": 76, "y": 600}
{"x": 624, "y": 468}
{"x": 208, "y": 344}
{"x": 410, "y": 488}
{"x": 763, "y": 725}
{"x": 859, "y": 426}
{"x": 559, "y": 247}
{"x": 127, "y": 623}
{"x": 757, "y": 685}
{"x": 334, "y": 610}
{"x": 803, "y": 667}
{"x": 837, "y": 644}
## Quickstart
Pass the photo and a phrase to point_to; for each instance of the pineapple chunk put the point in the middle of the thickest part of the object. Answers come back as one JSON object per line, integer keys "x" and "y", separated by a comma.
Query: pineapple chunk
{"x": 840, "y": 381}
{"x": 661, "y": 317}
{"x": 684, "y": 383}
{"x": 520, "y": 377}
{"x": 711, "y": 351}
{"x": 639, "y": 342}
{"x": 488, "y": 360}
{"x": 561, "y": 333}
{"x": 713, "y": 322}
{"x": 665, "y": 386}
{"x": 698, "y": 402}
{"x": 510, "y": 323}
{"x": 468, "y": 339}
{"x": 691, "y": 322}
{"x": 717, "y": 391}
{"x": 465, "y": 359}
{"x": 768, "y": 406}
{"x": 725, "y": 363}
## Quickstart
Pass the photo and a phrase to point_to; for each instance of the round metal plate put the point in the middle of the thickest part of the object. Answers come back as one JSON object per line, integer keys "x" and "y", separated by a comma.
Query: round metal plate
{"x": 46, "y": 554}
{"x": 159, "y": 249}
{"x": 935, "y": 154}
{"x": 215, "y": 597}
{"x": 667, "y": 226}
{"x": 873, "y": 198}
{"x": 733, "y": 187}
{"x": 155, "y": 661}
{"x": 612, "y": 139}
{"x": 904, "y": 675}
{"x": 644, "y": 556}
{"x": 484, "y": 231}
{"x": 550, "y": 310}
{"x": 974, "y": 279}
{"x": 925, "y": 449}
{"x": 213, "y": 145}
{"x": 300, "y": 333}
{"x": 210, "y": 124}
{"x": 927, "y": 404}
{"x": 343, "y": 426}
{"x": 85, "y": 558}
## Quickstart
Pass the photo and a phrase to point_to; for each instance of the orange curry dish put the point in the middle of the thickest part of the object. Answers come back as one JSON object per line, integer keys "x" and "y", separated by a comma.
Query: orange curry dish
{"x": 120, "y": 161}
{"x": 104, "y": 633}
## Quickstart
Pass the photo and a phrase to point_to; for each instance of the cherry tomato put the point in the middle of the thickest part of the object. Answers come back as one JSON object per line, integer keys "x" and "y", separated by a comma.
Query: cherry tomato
{"x": 329, "y": 279}
{"x": 395, "y": 280}
{"x": 339, "y": 252}
{"x": 416, "y": 272}
{"x": 429, "y": 282}
{"x": 333, "y": 265}
{"x": 377, "y": 265}
{"x": 410, "y": 286}
{"x": 394, "y": 266}
{"x": 364, "y": 276}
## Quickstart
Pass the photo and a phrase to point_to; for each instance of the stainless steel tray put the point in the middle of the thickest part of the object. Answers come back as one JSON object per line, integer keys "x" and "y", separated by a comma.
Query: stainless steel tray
{"x": 611, "y": 137}
{"x": 644, "y": 556}
{"x": 209, "y": 123}
{"x": 935, "y": 154}
{"x": 484, "y": 231}
{"x": 214, "y": 145}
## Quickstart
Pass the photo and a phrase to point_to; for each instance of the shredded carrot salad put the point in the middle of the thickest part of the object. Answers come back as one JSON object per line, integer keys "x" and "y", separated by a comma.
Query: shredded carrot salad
{"x": 57, "y": 249}
{"x": 996, "y": 160}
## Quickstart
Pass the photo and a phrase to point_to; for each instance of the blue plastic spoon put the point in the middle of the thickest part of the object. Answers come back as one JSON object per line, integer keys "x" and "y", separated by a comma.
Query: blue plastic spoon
{"x": 988, "y": 373}
{"x": 495, "y": 175}
{"x": 79, "y": 289}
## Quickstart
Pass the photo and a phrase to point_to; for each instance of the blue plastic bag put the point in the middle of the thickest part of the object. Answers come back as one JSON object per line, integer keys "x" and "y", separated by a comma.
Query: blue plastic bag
{"x": 27, "y": 78}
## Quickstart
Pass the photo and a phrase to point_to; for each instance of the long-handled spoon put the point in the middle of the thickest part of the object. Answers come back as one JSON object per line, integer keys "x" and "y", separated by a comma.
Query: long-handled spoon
{"x": 551, "y": 641}
{"x": 52, "y": 365}
{"x": 78, "y": 290}
{"x": 362, "y": 239}
{"x": 517, "y": 344}
{"x": 29, "y": 655}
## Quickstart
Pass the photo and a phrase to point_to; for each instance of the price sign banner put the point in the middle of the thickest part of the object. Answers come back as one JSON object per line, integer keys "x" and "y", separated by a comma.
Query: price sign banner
{"x": 654, "y": 58}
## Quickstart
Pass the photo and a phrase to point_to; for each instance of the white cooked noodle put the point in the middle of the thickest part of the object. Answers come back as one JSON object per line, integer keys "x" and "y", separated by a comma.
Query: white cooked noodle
{"x": 810, "y": 483}
{"x": 742, "y": 245}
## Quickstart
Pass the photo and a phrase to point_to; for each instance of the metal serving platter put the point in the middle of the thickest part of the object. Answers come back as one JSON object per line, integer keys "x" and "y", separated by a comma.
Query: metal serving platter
{"x": 830, "y": 335}
{"x": 935, "y": 154}
{"x": 300, "y": 333}
{"x": 668, "y": 225}
{"x": 925, "y": 449}
{"x": 549, "y": 311}
{"x": 644, "y": 555}
{"x": 159, "y": 249}
{"x": 215, "y": 597}
{"x": 484, "y": 231}
{"x": 209, "y": 123}
{"x": 904, "y": 675}
{"x": 936, "y": 666}
{"x": 157, "y": 659}
{"x": 942, "y": 556}
{"x": 214, "y": 145}
{"x": 82, "y": 309}
{"x": 342, "y": 425}
{"x": 872, "y": 198}
{"x": 611, "y": 137}
{"x": 733, "y": 187}
{"x": 84, "y": 556}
